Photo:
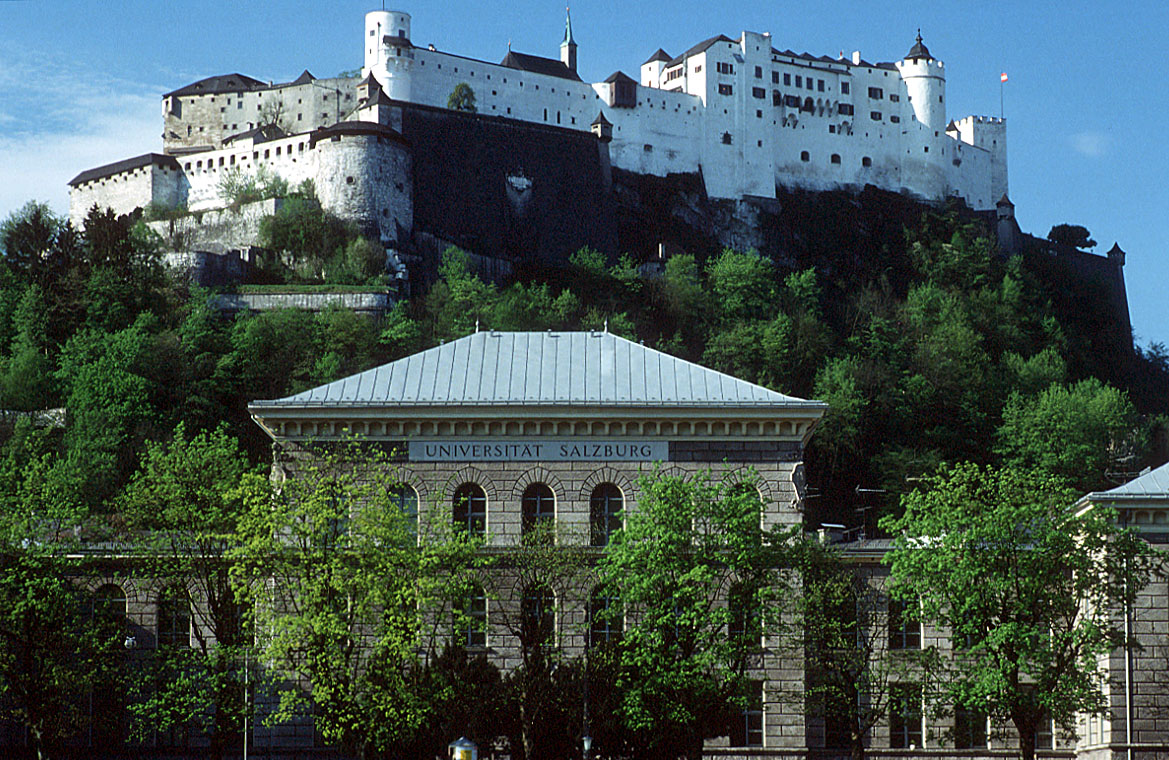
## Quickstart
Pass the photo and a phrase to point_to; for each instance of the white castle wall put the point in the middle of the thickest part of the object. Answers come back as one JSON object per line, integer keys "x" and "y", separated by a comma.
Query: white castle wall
{"x": 679, "y": 123}
{"x": 125, "y": 191}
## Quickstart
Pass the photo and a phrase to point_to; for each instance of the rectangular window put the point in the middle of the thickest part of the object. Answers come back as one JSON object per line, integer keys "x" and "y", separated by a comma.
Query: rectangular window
{"x": 758, "y": 92}
{"x": 894, "y": 98}
{"x": 905, "y": 728}
{"x": 791, "y": 101}
{"x": 787, "y": 79}
{"x": 904, "y": 630}
{"x": 808, "y": 81}
{"x": 845, "y": 109}
{"x": 775, "y": 77}
{"x": 776, "y": 98}
{"x": 875, "y": 115}
{"x": 758, "y": 72}
{"x": 969, "y": 729}
{"x": 820, "y": 85}
{"x": 895, "y": 119}
{"x": 725, "y": 68}
{"x": 876, "y": 93}
{"x": 748, "y": 728}
{"x": 844, "y": 88}
{"x": 799, "y": 81}
{"x": 725, "y": 89}
{"x": 1045, "y": 735}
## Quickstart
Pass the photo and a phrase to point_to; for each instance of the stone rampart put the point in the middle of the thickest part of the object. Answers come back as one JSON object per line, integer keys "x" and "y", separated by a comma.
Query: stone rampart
{"x": 371, "y": 304}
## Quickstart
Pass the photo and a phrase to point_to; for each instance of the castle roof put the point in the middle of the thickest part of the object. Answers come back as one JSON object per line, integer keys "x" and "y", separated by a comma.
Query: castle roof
{"x": 700, "y": 47}
{"x": 952, "y": 126}
{"x": 263, "y": 133}
{"x": 355, "y": 128}
{"x": 919, "y": 50}
{"x": 619, "y": 76}
{"x": 304, "y": 78}
{"x": 220, "y": 83}
{"x": 493, "y": 369}
{"x": 601, "y": 120}
{"x": 125, "y": 165}
{"x": 537, "y": 65}
{"x": 660, "y": 55}
{"x": 1004, "y": 201}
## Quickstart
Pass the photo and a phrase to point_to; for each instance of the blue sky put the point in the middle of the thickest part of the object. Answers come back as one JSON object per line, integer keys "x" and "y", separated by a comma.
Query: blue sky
{"x": 80, "y": 83}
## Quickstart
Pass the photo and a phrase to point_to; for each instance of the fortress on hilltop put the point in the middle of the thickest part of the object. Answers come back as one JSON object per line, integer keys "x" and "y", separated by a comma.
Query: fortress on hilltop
{"x": 741, "y": 115}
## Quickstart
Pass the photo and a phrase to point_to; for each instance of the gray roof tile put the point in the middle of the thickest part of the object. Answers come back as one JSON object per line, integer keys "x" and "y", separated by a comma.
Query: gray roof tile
{"x": 1151, "y": 485}
{"x": 540, "y": 368}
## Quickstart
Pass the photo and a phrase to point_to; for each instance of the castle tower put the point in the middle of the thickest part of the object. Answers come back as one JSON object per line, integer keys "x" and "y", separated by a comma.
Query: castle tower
{"x": 568, "y": 47}
{"x": 389, "y": 54}
{"x": 925, "y": 81}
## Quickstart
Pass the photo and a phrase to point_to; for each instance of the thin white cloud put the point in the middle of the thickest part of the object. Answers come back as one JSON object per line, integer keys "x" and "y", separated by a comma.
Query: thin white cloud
{"x": 1092, "y": 144}
{"x": 59, "y": 120}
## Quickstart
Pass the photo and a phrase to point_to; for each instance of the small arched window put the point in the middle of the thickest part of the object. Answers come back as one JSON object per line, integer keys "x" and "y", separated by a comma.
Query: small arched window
{"x": 109, "y": 604}
{"x": 805, "y": 156}
{"x": 405, "y": 498}
{"x": 606, "y": 618}
{"x": 866, "y": 161}
{"x": 539, "y": 507}
{"x": 470, "y": 509}
{"x": 539, "y": 616}
{"x": 605, "y": 507}
{"x": 174, "y": 620}
{"x": 471, "y": 629}
{"x": 836, "y": 158}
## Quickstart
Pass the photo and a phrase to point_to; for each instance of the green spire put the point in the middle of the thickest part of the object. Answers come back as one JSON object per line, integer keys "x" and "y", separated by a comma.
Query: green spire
{"x": 568, "y": 40}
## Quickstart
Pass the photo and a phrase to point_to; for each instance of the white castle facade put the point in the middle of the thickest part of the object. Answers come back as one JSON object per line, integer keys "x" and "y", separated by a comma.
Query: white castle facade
{"x": 744, "y": 113}
{"x": 745, "y": 116}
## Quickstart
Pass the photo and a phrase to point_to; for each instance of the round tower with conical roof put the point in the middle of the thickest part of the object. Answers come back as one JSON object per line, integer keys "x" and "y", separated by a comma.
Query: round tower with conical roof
{"x": 389, "y": 54}
{"x": 925, "y": 82}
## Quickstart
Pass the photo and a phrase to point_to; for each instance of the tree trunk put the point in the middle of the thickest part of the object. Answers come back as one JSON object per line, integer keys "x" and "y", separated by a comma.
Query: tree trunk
{"x": 857, "y": 741}
{"x": 1026, "y": 731}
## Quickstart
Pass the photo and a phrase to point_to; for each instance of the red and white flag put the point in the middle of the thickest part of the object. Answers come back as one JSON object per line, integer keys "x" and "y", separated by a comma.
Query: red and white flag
{"x": 1003, "y": 77}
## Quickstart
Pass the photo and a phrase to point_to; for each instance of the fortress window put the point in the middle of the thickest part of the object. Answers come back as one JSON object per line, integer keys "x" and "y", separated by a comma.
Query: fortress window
{"x": 300, "y": 117}
{"x": 648, "y": 148}
{"x": 758, "y": 114}
{"x": 875, "y": 115}
{"x": 725, "y": 89}
{"x": 787, "y": 79}
{"x": 725, "y": 68}
{"x": 278, "y": 150}
{"x": 808, "y": 81}
{"x": 927, "y": 149}
{"x": 799, "y": 81}
{"x": 820, "y": 85}
{"x": 239, "y": 104}
{"x": 835, "y": 158}
{"x": 187, "y": 166}
{"x": 844, "y": 88}
{"x": 726, "y": 138}
{"x": 775, "y": 77}
{"x": 876, "y": 93}
{"x": 698, "y": 69}
{"x": 758, "y": 72}
{"x": 894, "y": 98}
{"x": 845, "y": 109}
{"x": 866, "y": 161}
{"x": 805, "y": 156}
{"x": 895, "y": 119}
{"x": 758, "y": 92}
{"x": 776, "y": 98}
{"x": 232, "y": 161}
{"x": 831, "y": 129}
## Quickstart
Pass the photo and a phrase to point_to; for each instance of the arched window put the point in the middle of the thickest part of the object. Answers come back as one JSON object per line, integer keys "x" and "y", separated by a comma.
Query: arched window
{"x": 835, "y": 158}
{"x": 405, "y": 499}
{"x": 539, "y": 616}
{"x": 744, "y": 623}
{"x": 606, "y": 618}
{"x": 471, "y": 630}
{"x": 109, "y": 605}
{"x": 174, "y": 620}
{"x": 605, "y": 507}
{"x": 470, "y": 509}
{"x": 866, "y": 161}
{"x": 539, "y": 507}
{"x": 805, "y": 156}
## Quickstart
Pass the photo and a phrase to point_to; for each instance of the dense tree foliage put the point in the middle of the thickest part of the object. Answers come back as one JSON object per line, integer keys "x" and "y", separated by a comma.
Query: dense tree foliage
{"x": 1033, "y": 591}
